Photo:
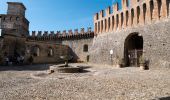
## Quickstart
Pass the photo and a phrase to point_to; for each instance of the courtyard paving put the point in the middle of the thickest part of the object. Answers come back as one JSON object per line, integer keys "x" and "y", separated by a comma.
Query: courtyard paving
{"x": 97, "y": 83}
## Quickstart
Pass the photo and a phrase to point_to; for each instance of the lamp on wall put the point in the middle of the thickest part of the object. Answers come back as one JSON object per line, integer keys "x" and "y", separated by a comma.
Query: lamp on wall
{"x": 139, "y": 34}
{"x": 111, "y": 52}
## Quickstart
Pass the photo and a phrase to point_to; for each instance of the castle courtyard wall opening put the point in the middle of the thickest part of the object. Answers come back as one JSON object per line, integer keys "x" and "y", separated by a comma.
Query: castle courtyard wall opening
{"x": 133, "y": 49}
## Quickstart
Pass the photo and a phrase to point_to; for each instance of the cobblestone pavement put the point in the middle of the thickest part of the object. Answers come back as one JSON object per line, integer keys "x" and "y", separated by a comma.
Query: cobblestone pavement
{"x": 98, "y": 83}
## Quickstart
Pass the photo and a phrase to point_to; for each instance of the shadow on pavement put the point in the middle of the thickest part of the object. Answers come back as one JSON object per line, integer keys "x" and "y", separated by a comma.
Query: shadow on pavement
{"x": 163, "y": 98}
{"x": 39, "y": 67}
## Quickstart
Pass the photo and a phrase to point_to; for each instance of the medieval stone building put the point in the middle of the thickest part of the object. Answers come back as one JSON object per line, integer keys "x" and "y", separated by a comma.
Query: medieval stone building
{"x": 140, "y": 28}
{"x": 43, "y": 47}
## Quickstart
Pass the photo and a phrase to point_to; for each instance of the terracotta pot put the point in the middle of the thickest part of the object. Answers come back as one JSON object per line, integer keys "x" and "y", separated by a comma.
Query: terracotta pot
{"x": 142, "y": 67}
{"x": 50, "y": 71}
{"x": 118, "y": 66}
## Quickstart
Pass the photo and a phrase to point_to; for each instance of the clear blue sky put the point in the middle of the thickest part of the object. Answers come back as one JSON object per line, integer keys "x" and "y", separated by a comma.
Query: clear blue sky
{"x": 54, "y": 15}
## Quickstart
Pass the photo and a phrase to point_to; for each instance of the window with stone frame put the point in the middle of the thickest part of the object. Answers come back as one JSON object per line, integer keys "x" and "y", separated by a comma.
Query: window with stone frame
{"x": 17, "y": 18}
{"x": 50, "y": 52}
{"x": 85, "y": 48}
{"x": 36, "y": 51}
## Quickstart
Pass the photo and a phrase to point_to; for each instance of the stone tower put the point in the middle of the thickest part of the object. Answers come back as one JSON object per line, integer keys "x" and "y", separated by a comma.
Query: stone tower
{"x": 15, "y": 8}
{"x": 14, "y": 22}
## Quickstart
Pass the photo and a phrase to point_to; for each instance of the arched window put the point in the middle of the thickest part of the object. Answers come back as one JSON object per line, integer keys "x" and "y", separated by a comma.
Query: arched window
{"x": 10, "y": 18}
{"x": 144, "y": 11}
{"x": 95, "y": 27}
{"x": 151, "y": 8}
{"x": 102, "y": 26}
{"x": 117, "y": 20}
{"x": 159, "y": 2}
{"x": 122, "y": 19}
{"x": 17, "y": 18}
{"x": 167, "y": 4}
{"x": 4, "y": 18}
{"x": 36, "y": 51}
{"x": 132, "y": 16}
{"x": 105, "y": 24}
{"x": 113, "y": 22}
{"x": 98, "y": 26}
{"x": 109, "y": 23}
{"x": 127, "y": 18}
{"x": 85, "y": 48}
{"x": 50, "y": 52}
{"x": 138, "y": 14}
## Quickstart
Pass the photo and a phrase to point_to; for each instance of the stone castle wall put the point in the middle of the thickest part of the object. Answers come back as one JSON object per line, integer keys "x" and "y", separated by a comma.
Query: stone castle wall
{"x": 12, "y": 47}
{"x": 78, "y": 47}
{"x": 156, "y": 45}
{"x": 14, "y": 20}
{"x": 43, "y": 54}
{"x": 1, "y": 44}
{"x": 148, "y": 18}
{"x": 132, "y": 14}
{"x": 76, "y": 41}
{"x": 44, "y": 47}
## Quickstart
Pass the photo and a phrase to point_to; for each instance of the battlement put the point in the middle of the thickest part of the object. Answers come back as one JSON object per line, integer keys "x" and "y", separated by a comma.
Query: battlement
{"x": 58, "y": 35}
{"x": 132, "y": 14}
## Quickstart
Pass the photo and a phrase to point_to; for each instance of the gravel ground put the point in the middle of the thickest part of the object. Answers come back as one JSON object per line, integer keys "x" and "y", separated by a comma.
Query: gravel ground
{"x": 100, "y": 83}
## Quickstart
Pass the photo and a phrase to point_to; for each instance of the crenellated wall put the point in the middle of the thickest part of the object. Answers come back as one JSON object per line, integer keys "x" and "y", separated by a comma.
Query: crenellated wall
{"x": 76, "y": 40}
{"x": 140, "y": 26}
{"x": 64, "y": 35}
{"x": 116, "y": 28}
{"x": 133, "y": 13}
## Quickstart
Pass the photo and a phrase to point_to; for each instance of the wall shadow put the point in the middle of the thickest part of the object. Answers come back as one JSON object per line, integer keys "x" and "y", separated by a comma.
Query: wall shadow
{"x": 74, "y": 56}
{"x": 38, "y": 67}
{"x": 165, "y": 98}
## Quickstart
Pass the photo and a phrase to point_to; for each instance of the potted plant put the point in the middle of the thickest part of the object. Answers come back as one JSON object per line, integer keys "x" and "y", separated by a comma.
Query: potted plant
{"x": 142, "y": 63}
{"x": 120, "y": 62}
{"x": 117, "y": 61}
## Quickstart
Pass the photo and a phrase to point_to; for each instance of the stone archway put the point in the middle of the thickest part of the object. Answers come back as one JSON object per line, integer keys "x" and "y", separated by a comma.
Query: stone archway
{"x": 133, "y": 49}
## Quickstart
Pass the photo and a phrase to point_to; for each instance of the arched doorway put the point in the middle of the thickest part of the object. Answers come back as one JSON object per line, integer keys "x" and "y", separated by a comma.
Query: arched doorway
{"x": 133, "y": 49}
